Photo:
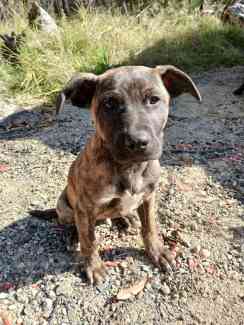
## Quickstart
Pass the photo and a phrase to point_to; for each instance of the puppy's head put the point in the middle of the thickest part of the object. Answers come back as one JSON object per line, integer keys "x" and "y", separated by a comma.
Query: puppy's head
{"x": 130, "y": 107}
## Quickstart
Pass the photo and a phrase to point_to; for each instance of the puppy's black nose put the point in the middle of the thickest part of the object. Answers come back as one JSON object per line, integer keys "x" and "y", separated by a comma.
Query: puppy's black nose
{"x": 136, "y": 143}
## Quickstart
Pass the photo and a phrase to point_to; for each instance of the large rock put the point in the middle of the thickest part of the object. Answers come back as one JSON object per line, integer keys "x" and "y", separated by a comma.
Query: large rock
{"x": 68, "y": 7}
{"x": 39, "y": 18}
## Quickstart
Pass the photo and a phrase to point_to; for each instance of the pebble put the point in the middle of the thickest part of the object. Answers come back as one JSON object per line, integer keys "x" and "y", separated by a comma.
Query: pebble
{"x": 123, "y": 264}
{"x": 193, "y": 226}
{"x": 234, "y": 275}
{"x": 22, "y": 297}
{"x": 148, "y": 286}
{"x": 52, "y": 294}
{"x": 205, "y": 253}
{"x": 181, "y": 317}
{"x": 196, "y": 249}
{"x": 47, "y": 307}
{"x": 156, "y": 285}
{"x": 165, "y": 289}
{"x": 3, "y": 295}
{"x": 12, "y": 307}
{"x": 145, "y": 268}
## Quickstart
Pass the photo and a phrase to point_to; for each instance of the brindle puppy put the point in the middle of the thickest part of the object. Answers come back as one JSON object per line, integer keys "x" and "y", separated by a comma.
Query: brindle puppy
{"x": 119, "y": 168}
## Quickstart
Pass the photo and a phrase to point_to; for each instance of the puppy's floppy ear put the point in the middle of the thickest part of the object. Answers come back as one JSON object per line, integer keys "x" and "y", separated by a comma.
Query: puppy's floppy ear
{"x": 80, "y": 90}
{"x": 177, "y": 82}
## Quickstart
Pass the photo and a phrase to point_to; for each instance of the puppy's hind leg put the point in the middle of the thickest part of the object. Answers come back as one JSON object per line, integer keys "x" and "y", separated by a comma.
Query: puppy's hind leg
{"x": 65, "y": 215}
{"x": 239, "y": 90}
{"x": 64, "y": 210}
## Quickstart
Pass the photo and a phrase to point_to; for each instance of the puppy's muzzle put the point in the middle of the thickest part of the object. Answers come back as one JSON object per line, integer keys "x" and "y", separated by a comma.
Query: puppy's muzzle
{"x": 136, "y": 143}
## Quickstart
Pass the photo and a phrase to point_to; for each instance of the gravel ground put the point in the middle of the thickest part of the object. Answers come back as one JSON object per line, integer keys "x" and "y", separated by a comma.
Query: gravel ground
{"x": 200, "y": 209}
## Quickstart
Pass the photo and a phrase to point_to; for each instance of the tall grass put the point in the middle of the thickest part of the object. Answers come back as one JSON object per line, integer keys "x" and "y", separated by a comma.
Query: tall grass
{"x": 96, "y": 40}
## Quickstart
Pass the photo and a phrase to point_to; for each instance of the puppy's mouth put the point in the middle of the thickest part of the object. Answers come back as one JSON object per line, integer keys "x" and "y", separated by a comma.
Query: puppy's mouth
{"x": 126, "y": 150}
{"x": 125, "y": 156}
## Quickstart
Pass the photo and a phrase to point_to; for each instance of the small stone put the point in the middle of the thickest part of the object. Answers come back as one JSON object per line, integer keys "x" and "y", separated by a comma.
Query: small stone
{"x": 28, "y": 310}
{"x": 196, "y": 249}
{"x": 12, "y": 307}
{"x": 156, "y": 285}
{"x": 47, "y": 307}
{"x": 52, "y": 294}
{"x": 181, "y": 317}
{"x": 204, "y": 253}
{"x": 183, "y": 294}
{"x": 183, "y": 300}
{"x": 165, "y": 289}
{"x": 123, "y": 264}
{"x": 175, "y": 296}
{"x": 109, "y": 222}
{"x": 145, "y": 268}
{"x": 148, "y": 286}
{"x": 234, "y": 275}
{"x": 20, "y": 321}
{"x": 193, "y": 226}
{"x": 3, "y": 295}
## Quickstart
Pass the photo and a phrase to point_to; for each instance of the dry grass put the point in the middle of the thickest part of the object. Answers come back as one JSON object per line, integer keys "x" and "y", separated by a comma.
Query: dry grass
{"x": 94, "y": 41}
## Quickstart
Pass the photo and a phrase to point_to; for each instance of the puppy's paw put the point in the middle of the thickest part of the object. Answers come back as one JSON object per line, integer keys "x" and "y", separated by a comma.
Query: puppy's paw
{"x": 127, "y": 225}
{"x": 95, "y": 270}
{"x": 161, "y": 257}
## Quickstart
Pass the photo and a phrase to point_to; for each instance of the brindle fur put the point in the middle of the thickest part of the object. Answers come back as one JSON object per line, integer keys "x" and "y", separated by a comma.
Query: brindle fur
{"x": 108, "y": 180}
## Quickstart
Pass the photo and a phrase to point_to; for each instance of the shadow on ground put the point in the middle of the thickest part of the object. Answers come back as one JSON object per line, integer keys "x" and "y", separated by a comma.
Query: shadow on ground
{"x": 32, "y": 248}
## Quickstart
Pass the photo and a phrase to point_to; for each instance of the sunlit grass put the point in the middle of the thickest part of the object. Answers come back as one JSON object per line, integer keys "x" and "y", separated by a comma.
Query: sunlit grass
{"x": 95, "y": 40}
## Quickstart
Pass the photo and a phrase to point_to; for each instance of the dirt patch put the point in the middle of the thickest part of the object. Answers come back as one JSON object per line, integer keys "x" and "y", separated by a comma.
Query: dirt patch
{"x": 201, "y": 214}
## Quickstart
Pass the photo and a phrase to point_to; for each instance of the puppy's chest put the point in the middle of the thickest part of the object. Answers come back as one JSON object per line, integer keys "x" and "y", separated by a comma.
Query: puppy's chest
{"x": 125, "y": 196}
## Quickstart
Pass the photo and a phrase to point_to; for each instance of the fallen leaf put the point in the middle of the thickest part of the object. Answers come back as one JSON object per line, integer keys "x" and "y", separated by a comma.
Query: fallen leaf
{"x": 126, "y": 293}
{"x": 3, "y": 168}
{"x": 112, "y": 263}
{"x": 183, "y": 146}
{"x": 183, "y": 187}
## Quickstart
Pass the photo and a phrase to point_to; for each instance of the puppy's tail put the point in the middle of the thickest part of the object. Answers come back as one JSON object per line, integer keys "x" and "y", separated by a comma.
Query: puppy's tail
{"x": 47, "y": 214}
{"x": 239, "y": 90}
{"x": 60, "y": 102}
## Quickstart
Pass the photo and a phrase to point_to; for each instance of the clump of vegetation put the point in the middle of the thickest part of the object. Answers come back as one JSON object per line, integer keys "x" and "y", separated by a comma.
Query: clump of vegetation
{"x": 94, "y": 40}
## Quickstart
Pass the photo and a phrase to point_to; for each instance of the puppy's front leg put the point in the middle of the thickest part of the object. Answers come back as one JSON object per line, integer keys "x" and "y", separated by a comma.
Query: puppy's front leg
{"x": 85, "y": 224}
{"x": 160, "y": 255}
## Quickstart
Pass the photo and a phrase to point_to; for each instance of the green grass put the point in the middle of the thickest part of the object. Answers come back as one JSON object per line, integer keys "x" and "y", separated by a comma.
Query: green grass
{"x": 94, "y": 41}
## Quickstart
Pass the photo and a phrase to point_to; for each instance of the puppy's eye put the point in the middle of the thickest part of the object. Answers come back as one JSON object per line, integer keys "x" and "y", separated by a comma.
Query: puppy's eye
{"x": 153, "y": 100}
{"x": 110, "y": 102}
